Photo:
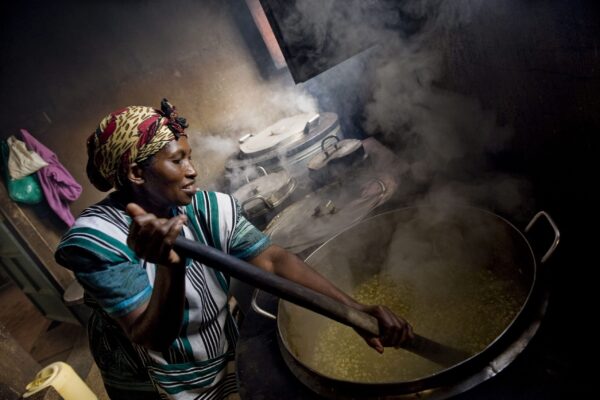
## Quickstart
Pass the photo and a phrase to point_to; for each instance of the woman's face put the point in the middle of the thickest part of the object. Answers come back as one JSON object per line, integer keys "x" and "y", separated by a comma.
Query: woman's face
{"x": 170, "y": 179}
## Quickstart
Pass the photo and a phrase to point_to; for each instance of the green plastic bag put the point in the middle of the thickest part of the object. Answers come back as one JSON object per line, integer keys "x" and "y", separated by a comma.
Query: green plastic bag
{"x": 26, "y": 190}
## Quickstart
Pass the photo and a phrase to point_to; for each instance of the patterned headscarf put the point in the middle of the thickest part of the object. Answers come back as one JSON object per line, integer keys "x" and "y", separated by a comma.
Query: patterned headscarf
{"x": 132, "y": 134}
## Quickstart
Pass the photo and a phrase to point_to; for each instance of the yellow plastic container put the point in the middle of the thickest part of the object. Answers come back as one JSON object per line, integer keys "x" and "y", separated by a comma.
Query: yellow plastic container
{"x": 63, "y": 379}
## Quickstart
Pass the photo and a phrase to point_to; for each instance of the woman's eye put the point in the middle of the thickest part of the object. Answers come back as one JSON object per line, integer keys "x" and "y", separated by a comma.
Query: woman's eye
{"x": 177, "y": 161}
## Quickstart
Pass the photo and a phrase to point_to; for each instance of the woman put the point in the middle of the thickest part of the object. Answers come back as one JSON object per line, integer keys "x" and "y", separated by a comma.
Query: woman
{"x": 172, "y": 310}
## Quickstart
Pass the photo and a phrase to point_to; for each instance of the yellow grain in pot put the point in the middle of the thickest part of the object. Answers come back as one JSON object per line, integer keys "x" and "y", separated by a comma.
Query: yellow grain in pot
{"x": 340, "y": 353}
{"x": 469, "y": 319}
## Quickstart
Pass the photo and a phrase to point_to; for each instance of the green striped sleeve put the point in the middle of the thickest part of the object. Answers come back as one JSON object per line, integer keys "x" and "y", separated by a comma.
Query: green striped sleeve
{"x": 106, "y": 246}
{"x": 247, "y": 241}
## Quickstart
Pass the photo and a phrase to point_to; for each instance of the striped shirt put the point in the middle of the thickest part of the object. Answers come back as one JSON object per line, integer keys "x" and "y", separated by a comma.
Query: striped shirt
{"x": 195, "y": 365}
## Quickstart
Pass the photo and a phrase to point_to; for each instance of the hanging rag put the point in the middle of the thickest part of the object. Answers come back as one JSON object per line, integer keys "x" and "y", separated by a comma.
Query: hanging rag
{"x": 59, "y": 186}
{"x": 21, "y": 160}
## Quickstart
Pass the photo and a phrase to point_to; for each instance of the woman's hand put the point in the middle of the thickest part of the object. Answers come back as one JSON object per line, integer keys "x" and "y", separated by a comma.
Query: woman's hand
{"x": 152, "y": 238}
{"x": 394, "y": 331}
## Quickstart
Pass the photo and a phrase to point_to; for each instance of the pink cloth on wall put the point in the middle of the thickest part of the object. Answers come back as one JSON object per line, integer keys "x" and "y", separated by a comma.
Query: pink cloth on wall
{"x": 59, "y": 186}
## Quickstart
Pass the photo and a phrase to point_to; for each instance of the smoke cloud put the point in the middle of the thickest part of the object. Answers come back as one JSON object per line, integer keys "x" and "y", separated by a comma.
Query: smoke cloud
{"x": 444, "y": 139}
{"x": 397, "y": 91}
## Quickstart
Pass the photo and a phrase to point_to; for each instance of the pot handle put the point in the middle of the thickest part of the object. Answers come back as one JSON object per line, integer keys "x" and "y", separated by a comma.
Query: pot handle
{"x": 245, "y": 137}
{"x": 337, "y": 140}
{"x": 261, "y": 169}
{"x": 256, "y": 307}
{"x": 554, "y": 227}
{"x": 269, "y": 204}
{"x": 381, "y": 185}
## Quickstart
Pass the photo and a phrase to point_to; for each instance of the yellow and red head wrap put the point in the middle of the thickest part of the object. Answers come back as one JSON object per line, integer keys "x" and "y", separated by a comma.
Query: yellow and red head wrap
{"x": 132, "y": 134}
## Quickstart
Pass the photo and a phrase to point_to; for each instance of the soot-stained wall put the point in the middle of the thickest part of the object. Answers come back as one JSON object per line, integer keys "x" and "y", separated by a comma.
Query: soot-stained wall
{"x": 66, "y": 64}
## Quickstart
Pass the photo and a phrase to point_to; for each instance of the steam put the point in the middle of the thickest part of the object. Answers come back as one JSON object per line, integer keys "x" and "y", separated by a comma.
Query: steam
{"x": 444, "y": 139}
{"x": 214, "y": 144}
{"x": 291, "y": 100}
{"x": 441, "y": 14}
{"x": 210, "y": 151}
{"x": 274, "y": 101}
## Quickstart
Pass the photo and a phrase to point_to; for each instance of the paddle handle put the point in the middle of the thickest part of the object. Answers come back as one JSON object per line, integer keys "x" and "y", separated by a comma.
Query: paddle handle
{"x": 281, "y": 287}
{"x": 312, "y": 300}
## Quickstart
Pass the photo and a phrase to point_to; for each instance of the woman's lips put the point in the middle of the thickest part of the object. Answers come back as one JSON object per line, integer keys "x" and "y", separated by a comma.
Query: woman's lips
{"x": 190, "y": 189}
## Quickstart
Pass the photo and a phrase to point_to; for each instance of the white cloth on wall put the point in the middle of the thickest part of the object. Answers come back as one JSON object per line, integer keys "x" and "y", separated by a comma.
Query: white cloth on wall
{"x": 21, "y": 160}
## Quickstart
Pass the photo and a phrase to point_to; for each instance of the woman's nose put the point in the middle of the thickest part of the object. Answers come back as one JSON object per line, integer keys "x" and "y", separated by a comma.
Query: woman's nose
{"x": 190, "y": 170}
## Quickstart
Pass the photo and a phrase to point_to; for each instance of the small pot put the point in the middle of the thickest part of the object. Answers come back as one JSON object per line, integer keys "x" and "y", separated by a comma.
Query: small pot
{"x": 335, "y": 159}
{"x": 265, "y": 196}
{"x": 288, "y": 144}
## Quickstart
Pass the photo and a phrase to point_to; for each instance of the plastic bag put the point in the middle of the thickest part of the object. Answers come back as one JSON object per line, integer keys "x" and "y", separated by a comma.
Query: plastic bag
{"x": 26, "y": 190}
{"x": 21, "y": 160}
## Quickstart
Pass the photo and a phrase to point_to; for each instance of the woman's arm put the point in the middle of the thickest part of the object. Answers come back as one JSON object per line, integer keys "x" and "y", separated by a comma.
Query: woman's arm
{"x": 156, "y": 324}
{"x": 394, "y": 330}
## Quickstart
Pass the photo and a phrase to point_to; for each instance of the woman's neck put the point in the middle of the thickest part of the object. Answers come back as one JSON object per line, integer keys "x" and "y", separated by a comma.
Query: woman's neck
{"x": 125, "y": 197}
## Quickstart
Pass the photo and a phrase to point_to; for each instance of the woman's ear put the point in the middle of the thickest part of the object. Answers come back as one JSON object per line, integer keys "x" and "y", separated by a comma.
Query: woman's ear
{"x": 135, "y": 174}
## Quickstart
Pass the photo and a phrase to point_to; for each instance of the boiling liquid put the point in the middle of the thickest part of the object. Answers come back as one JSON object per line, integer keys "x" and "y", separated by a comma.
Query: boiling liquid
{"x": 469, "y": 320}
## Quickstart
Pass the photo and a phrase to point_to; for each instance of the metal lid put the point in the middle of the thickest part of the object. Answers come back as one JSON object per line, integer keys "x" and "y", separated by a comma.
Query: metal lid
{"x": 322, "y": 214}
{"x": 264, "y": 193}
{"x": 332, "y": 150}
{"x": 288, "y": 136}
{"x": 285, "y": 130}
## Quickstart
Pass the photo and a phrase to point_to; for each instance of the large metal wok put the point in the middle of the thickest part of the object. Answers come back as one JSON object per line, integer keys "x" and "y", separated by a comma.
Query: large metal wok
{"x": 462, "y": 277}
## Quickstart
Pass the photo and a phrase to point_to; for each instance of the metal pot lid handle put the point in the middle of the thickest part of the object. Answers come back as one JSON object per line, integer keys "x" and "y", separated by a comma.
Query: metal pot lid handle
{"x": 265, "y": 194}
{"x": 381, "y": 186}
{"x": 261, "y": 169}
{"x": 245, "y": 137}
{"x": 274, "y": 199}
{"x": 554, "y": 244}
{"x": 267, "y": 202}
{"x": 311, "y": 123}
{"x": 337, "y": 140}
{"x": 257, "y": 308}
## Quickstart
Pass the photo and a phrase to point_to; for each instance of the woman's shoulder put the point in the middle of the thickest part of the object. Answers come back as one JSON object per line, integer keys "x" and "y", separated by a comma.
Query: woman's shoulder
{"x": 215, "y": 194}
{"x": 107, "y": 209}
{"x": 99, "y": 232}
{"x": 213, "y": 206}
{"x": 106, "y": 217}
{"x": 212, "y": 201}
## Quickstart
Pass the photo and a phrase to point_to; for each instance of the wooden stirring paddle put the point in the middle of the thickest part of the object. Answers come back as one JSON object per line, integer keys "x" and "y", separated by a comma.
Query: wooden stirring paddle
{"x": 437, "y": 352}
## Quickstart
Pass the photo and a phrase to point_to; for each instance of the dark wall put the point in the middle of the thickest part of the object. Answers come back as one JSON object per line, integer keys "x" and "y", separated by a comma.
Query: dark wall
{"x": 537, "y": 63}
{"x": 66, "y": 64}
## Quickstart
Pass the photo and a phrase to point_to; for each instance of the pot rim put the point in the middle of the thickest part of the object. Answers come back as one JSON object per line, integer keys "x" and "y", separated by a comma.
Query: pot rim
{"x": 439, "y": 377}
